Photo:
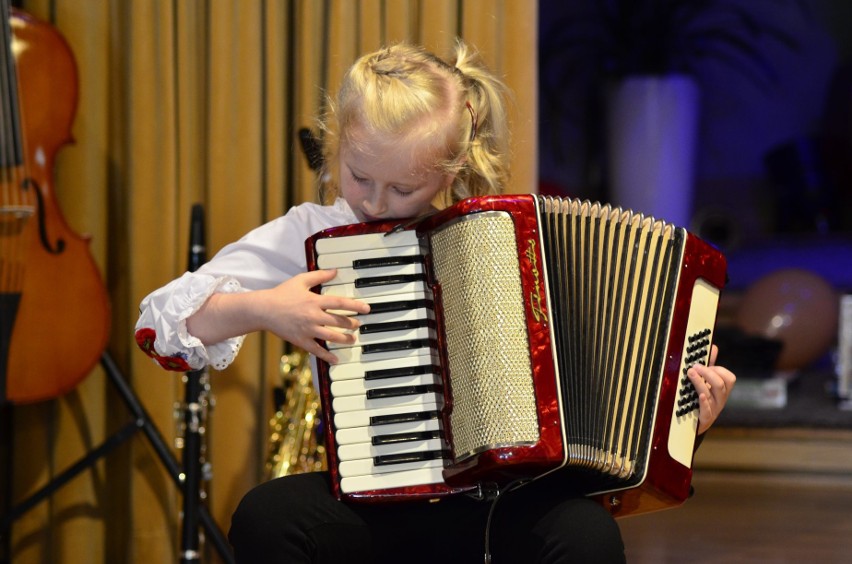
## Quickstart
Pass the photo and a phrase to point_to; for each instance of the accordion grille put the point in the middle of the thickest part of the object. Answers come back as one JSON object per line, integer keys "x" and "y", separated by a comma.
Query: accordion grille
{"x": 477, "y": 267}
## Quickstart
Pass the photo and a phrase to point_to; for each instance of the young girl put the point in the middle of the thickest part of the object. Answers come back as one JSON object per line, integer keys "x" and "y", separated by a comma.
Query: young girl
{"x": 408, "y": 131}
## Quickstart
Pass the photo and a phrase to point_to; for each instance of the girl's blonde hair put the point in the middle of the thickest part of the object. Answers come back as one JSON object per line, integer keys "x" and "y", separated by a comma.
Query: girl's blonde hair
{"x": 405, "y": 92}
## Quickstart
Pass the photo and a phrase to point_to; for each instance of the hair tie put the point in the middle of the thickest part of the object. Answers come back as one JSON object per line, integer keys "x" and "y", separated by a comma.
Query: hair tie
{"x": 473, "y": 120}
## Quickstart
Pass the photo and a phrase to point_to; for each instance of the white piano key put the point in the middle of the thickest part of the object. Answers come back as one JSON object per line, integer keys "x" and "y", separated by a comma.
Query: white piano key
{"x": 421, "y": 294}
{"x": 365, "y": 241}
{"x": 346, "y": 259}
{"x": 366, "y": 450}
{"x": 362, "y": 418}
{"x": 350, "y": 275}
{"x": 355, "y": 355}
{"x": 350, "y": 291}
{"x": 391, "y": 316}
{"x": 345, "y": 388}
{"x": 365, "y": 467}
{"x": 392, "y": 480}
{"x": 366, "y": 434}
{"x": 352, "y": 370}
{"x": 362, "y": 339}
{"x": 361, "y": 403}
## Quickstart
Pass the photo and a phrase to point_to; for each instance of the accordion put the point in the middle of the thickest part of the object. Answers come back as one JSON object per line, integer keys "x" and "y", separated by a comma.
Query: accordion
{"x": 510, "y": 337}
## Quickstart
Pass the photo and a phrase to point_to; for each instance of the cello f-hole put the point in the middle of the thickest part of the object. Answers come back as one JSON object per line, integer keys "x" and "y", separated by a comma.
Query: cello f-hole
{"x": 42, "y": 221}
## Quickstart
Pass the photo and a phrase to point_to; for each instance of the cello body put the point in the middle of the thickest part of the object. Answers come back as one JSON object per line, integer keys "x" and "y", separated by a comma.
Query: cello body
{"x": 61, "y": 322}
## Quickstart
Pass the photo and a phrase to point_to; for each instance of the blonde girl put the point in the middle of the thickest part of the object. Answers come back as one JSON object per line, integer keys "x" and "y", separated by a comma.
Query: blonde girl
{"x": 408, "y": 132}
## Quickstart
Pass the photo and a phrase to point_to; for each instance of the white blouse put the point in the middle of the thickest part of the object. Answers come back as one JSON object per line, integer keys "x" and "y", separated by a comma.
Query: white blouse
{"x": 264, "y": 258}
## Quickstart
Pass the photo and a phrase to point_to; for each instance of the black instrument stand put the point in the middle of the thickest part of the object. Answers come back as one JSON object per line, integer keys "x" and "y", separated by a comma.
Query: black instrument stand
{"x": 186, "y": 479}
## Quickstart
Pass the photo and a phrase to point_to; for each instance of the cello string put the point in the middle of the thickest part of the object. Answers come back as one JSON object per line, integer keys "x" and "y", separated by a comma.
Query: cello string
{"x": 17, "y": 201}
{"x": 7, "y": 260}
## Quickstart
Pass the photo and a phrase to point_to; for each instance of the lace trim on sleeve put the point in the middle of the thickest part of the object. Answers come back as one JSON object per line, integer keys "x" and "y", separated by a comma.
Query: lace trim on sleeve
{"x": 218, "y": 355}
{"x": 161, "y": 329}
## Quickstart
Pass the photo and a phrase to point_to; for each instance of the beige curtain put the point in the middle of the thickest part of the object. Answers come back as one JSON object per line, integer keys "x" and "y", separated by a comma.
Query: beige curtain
{"x": 198, "y": 101}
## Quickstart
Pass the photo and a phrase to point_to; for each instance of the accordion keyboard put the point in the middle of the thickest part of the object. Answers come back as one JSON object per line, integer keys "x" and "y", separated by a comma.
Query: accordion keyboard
{"x": 386, "y": 389}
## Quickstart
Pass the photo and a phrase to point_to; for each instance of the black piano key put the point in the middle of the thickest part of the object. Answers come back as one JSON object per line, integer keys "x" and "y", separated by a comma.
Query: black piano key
{"x": 373, "y": 281}
{"x": 398, "y": 391}
{"x": 399, "y": 346}
{"x": 399, "y": 372}
{"x": 386, "y": 261}
{"x": 404, "y": 417}
{"x": 407, "y": 437}
{"x": 408, "y": 457}
{"x": 402, "y": 305}
{"x": 396, "y": 326}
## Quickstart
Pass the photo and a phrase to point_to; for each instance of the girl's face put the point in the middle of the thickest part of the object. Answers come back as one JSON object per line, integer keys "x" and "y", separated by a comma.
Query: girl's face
{"x": 389, "y": 179}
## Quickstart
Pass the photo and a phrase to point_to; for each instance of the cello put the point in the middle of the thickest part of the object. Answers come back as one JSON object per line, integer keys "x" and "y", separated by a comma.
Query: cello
{"x": 54, "y": 305}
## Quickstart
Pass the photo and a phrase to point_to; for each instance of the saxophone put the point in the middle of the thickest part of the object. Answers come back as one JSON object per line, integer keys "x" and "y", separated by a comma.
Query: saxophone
{"x": 295, "y": 443}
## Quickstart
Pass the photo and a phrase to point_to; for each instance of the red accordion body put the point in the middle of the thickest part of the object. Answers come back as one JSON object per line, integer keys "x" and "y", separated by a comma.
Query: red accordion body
{"x": 512, "y": 337}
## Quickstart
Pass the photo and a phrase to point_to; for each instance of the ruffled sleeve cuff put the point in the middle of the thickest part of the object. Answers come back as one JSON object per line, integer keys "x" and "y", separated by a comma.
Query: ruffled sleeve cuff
{"x": 161, "y": 329}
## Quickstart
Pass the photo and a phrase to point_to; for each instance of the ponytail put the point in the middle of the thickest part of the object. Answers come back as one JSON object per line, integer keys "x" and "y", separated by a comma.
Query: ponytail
{"x": 486, "y": 162}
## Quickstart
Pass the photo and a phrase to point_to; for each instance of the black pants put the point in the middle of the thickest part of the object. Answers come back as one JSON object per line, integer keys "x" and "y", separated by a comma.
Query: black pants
{"x": 296, "y": 519}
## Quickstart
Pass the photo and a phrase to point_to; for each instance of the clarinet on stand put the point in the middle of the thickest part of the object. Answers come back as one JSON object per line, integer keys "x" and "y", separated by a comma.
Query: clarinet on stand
{"x": 194, "y": 416}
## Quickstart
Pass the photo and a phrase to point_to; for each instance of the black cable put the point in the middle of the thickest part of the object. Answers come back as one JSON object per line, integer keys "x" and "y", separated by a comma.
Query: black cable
{"x": 497, "y": 496}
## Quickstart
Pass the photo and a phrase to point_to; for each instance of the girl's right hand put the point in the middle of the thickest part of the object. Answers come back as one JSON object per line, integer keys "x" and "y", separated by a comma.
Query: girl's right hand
{"x": 296, "y": 314}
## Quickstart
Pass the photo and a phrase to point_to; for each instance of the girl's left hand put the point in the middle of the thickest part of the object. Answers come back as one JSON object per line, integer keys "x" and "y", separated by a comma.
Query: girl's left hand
{"x": 713, "y": 384}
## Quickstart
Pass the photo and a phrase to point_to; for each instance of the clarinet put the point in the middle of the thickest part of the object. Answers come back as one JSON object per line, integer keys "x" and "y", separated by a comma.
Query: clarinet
{"x": 194, "y": 415}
